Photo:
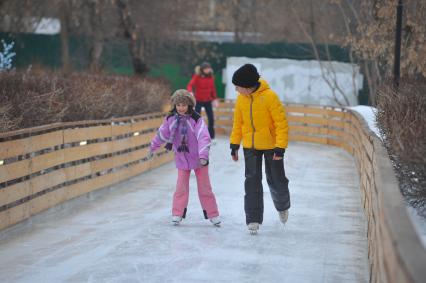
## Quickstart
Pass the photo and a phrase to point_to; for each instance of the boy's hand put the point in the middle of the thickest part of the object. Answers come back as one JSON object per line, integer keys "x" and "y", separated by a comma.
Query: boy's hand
{"x": 276, "y": 157}
{"x": 234, "y": 154}
{"x": 234, "y": 151}
{"x": 215, "y": 103}
{"x": 278, "y": 153}
{"x": 150, "y": 155}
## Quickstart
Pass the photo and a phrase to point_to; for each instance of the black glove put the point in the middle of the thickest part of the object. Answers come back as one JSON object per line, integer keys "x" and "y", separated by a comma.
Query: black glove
{"x": 168, "y": 146}
{"x": 279, "y": 152}
{"x": 234, "y": 148}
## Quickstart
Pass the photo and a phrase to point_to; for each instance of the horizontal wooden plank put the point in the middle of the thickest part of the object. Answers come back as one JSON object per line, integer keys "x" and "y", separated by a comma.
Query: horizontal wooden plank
{"x": 78, "y": 171}
{"x": 293, "y": 129}
{"x": 224, "y": 114}
{"x": 14, "y": 148}
{"x": 14, "y": 170}
{"x": 31, "y": 144}
{"x": 17, "y": 214}
{"x": 119, "y": 160}
{"x": 121, "y": 129}
{"x": 45, "y": 181}
{"x": 86, "y": 151}
{"x": 47, "y": 160}
{"x": 323, "y": 111}
{"x": 4, "y": 219}
{"x": 223, "y": 131}
{"x": 224, "y": 123}
{"x": 334, "y": 142}
{"x": 301, "y": 138}
{"x": 41, "y": 162}
{"x": 47, "y": 201}
{"x": 105, "y": 180}
{"x": 315, "y": 121}
{"x": 33, "y": 130}
{"x": 46, "y": 140}
{"x": 147, "y": 124}
{"x": 15, "y": 192}
{"x": 89, "y": 133}
{"x": 348, "y": 148}
{"x": 226, "y": 104}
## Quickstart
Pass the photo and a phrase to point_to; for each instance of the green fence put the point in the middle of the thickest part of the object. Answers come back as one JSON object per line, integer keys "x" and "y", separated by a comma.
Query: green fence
{"x": 174, "y": 61}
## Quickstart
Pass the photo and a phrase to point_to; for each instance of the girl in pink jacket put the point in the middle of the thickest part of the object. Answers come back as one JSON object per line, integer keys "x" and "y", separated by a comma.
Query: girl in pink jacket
{"x": 185, "y": 132}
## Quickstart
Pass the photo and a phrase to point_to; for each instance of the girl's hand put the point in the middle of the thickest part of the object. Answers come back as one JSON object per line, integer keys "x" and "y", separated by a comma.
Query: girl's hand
{"x": 215, "y": 103}
{"x": 204, "y": 162}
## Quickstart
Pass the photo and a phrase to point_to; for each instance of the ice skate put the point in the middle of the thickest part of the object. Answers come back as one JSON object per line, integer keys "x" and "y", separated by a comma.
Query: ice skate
{"x": 253, "y": 227}
{"x": 176, "y": 220}
{"x": 283, "y": 216}
{"x": 215, "y": 220}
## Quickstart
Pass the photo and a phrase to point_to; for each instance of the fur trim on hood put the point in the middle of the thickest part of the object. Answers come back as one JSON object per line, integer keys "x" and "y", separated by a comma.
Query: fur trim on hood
{"x": 197, "y": 71}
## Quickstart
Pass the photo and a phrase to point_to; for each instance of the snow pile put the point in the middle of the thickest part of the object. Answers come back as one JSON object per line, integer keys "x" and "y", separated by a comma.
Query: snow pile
{"x": 369, "y": 114}
{"x": 303, "y": 81}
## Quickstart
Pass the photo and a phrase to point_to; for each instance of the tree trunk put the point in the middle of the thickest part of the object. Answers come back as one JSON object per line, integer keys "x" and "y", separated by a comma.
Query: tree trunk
{"x": 95, "y": 55}
{"x": 64, "y": 19}
{"x": 131, "y": 32}
{"x": 97, "y": 35}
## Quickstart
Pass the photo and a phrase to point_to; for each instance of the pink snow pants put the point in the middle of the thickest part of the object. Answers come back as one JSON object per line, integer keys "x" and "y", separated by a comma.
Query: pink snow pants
{"x": 205, "y": 193}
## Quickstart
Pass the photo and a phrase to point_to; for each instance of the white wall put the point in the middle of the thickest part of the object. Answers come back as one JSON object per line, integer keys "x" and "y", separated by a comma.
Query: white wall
{"x": 302, "y": 82}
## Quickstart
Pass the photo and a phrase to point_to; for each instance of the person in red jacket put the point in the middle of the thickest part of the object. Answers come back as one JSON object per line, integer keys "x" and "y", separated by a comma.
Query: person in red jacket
{"x": 204, "y": 90}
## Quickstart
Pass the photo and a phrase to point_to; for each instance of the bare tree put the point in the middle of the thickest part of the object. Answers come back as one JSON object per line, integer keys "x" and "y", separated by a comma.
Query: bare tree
{"x": 327, "y": 70}
{"x": 96, "y": 22}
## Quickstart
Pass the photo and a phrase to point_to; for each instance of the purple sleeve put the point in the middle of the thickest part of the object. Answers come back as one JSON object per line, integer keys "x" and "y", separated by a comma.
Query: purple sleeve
{"x": 203, "y": 138}
{"x": 162, "y": 136}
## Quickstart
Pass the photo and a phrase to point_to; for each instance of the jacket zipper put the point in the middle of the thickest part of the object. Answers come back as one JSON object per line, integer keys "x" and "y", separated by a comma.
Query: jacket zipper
{"x": 251, "y": 120}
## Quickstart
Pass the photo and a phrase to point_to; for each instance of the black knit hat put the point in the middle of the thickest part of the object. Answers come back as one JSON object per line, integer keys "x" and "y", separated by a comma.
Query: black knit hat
{"x": 246, "y": 76}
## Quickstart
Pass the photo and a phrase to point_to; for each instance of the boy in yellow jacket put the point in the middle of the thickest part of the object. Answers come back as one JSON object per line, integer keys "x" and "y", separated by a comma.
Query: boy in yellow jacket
{"x": 260, "y": 123}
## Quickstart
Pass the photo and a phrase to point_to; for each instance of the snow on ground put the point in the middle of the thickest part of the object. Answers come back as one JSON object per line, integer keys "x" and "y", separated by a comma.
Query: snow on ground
{"x": 369, "y": 115}
{"x": 419, "y": 224}
{"x": 124, "y": 233}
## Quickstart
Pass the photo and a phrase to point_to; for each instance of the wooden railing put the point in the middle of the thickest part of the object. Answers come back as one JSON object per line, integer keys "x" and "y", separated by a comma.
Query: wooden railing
{"x": 396, "y": 253}
{"x": 44, "y": 166}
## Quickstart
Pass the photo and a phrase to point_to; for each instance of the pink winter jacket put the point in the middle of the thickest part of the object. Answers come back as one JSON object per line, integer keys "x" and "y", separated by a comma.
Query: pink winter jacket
{"x": 198, "y": 140}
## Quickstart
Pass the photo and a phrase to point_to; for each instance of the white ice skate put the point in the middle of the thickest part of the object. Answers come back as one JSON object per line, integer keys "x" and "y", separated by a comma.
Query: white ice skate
{"x": 253, "y": 227}
{"x": 215, "y": 220}
{"x": 176, "y": 220}
{"x": 283, "y": 216}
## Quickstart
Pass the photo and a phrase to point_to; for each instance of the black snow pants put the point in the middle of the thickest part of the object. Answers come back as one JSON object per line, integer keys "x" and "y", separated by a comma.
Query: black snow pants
{"x": 275, "y": 177}
{"x": 210, "y": 116}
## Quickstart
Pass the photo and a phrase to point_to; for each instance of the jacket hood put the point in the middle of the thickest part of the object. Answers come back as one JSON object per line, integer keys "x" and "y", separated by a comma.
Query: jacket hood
{"x": 197, "y": 71}
{"x": 263, "y": 86}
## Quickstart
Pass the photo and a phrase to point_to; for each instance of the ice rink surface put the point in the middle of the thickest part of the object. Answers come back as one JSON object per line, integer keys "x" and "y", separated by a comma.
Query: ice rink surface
{"x": 124, "y": 233}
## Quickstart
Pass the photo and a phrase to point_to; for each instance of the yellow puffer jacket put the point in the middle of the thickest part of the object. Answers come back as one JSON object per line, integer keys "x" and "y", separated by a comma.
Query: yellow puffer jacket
{"x": 259, "y": 120}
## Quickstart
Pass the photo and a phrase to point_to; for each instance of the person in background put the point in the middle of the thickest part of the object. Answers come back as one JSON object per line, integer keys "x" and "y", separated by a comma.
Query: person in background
{"x": 204, "y": 90}
{"x": 260, "y": 124}
{"x": 184, "y": 132}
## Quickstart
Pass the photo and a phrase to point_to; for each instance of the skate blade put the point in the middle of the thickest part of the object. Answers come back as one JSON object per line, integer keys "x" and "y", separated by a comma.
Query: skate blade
{"x": 176, "y": 223}
{"x": 253, "y": 232}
